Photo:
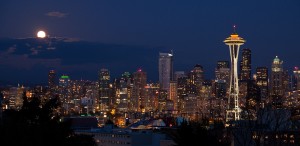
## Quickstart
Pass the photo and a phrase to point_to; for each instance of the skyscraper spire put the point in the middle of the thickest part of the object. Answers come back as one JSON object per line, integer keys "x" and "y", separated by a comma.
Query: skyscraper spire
{"x": 234, "y": 29}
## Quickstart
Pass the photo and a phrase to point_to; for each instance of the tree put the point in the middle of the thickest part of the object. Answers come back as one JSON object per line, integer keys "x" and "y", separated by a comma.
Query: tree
{"x": 37, "y": 125}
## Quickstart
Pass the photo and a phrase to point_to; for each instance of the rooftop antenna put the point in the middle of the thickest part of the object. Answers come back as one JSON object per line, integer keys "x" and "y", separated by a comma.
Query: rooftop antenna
{"x": 234, "y": 28}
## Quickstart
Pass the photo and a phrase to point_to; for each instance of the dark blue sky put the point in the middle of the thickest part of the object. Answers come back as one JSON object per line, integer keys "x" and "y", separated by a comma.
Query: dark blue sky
{"x": 193, "y": 29}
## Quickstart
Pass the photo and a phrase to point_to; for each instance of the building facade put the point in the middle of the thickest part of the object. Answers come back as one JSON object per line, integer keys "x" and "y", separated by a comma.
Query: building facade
{"x": 165, "y": 69}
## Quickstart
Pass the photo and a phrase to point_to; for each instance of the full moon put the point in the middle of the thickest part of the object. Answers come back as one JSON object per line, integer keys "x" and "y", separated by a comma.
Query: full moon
{"x": 41, "y": 34}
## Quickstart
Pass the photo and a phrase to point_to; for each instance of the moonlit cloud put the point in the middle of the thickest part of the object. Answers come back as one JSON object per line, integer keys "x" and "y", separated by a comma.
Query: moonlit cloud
{"x": 56, "y": 14}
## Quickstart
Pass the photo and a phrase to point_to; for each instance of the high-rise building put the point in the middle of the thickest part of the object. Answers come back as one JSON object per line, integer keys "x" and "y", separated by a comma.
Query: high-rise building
{"x": 173, "y": 94}
{"x": 104, "y": 89}
{"x": 220, "y": 89}
{"x": 222, "y": 73}
{"x": 152, "y": 93}
{"x": 276, "y": 82}
{"x": 182, "y": 84}
{"x": 296, "y": 79}
{"x": 138, "y": 92}
{"x": 64, "y": 81}
{"x": 122, "y": 87}
{"x": 253, "y": 99}
{"x": 196, "y": 78}
{"x": 286, "y": 85}
{"x": 262, "y": 82}
{"x": 51, "y": 80}
{"x": 222, "y": 64}
{"x": 245, "y": 65}
{"x": 234, "y": 42}
{"x": 64, "y": 93}
{"x": 165, "y": 69}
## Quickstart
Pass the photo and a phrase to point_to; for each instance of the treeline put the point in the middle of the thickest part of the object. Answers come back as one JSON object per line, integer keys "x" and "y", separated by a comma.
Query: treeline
{"x": 37, "y": 124}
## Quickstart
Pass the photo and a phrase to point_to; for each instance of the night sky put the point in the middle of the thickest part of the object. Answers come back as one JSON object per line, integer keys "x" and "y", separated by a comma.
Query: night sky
{"x": 126, "y": 35}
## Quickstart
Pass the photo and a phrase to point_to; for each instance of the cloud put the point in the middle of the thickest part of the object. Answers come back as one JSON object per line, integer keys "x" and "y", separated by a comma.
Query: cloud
{"x": 23, "y": 61}
{"x": 56, "y": 14}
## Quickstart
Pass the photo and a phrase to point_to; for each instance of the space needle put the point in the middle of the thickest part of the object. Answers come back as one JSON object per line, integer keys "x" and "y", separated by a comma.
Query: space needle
{"x": 233, "y": 110}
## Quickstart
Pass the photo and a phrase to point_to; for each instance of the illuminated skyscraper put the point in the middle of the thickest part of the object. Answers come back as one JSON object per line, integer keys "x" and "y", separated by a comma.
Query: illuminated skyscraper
{"x": 139, "y": 92}
{"x": 152, "y": 93}
{"x": 234, "y": 42}
{"x": 222, "y": 73}
{"x": 196, "y": 78}
{"x": 51, "y": 80}
{"x": 64, "y": 93}
{"x": 64, "y": 81}
{"x": 122, "y": 86}
{"x": 296, "y": 79}
{"x": 104, "y": 89}
{"x": 262, "y": 81}
{"x": 165, "y": 69}
{"x": 246, "y": 64}
{"x": 276, "y": 77}
{"x": 222, "y": 64}
{"x": 276, "y": 82}
{"x": 173, "y": 94}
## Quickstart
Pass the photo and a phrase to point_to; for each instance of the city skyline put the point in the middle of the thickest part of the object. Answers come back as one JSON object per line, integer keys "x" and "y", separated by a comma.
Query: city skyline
{"x": 194, "y": 31}
{"x": 150, "y": 73}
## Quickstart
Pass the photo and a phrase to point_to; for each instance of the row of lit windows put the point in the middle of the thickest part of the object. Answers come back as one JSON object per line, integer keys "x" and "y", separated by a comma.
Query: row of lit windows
{"x": 113, "y": 142}
{"x": 113, "y": 135}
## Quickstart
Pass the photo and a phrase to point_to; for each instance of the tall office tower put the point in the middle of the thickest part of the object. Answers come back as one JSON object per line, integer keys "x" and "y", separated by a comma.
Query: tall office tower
{"x": 129, "y": 82}
{"x": 286, "y": 85}
{"x": 64, "y": 81}
{"x": 222, "y": 72}
{"x": 276, "y": 82}
{"x": 51, "y": 80}
{"x": 173, "y": 94}
{"x": 222, "y": 64}
{"x": 205, "y": 98}
{"x": 16, "y": 97}
{"x": 138, "y": 92}
{"x": 104, "y": 89}
{"x": 152, "y": 93}
{"x": 121, "y": 95}
{"x": 123, "y": 88}
{"x": 165, "y": 69}
{"x": 220, "y": 89}
{"x": 234, "y": 42}
{"x": 262, "y": 82}
{"x": 64, "y": 92}
{"x": 182, "y": 83}
{"x": 245, "y": 65}
{"x": 196, "y": 78}
{"x": 296, "y": 79}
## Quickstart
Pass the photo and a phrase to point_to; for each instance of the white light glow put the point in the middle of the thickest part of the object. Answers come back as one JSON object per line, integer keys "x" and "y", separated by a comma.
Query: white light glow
{"x": 41, "y": 34}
